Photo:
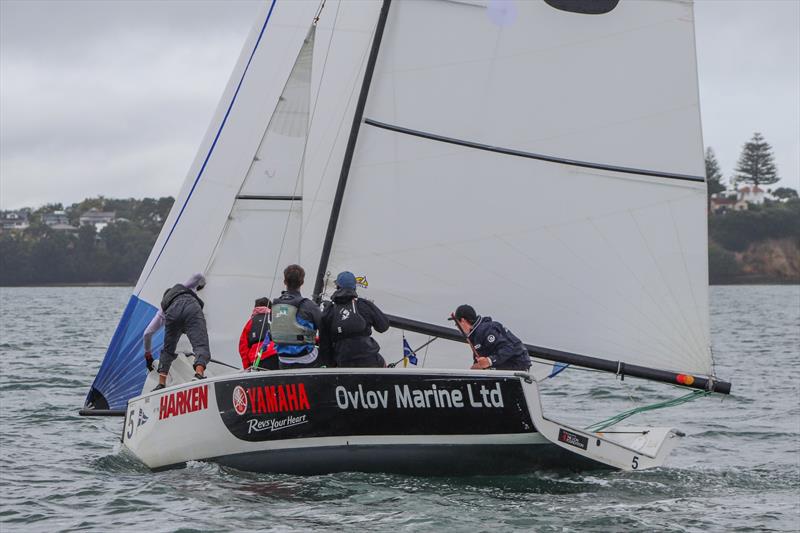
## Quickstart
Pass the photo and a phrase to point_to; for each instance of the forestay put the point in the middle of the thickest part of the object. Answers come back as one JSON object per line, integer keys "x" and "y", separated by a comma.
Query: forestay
{"x": 544, "y": 166}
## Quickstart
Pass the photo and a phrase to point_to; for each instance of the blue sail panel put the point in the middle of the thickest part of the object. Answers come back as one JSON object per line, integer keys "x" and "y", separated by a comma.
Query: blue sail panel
{"x": 122, "y": 372}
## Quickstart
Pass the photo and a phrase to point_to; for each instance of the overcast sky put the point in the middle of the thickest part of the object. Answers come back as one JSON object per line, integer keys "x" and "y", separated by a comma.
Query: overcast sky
{"x": 112, "y": 98}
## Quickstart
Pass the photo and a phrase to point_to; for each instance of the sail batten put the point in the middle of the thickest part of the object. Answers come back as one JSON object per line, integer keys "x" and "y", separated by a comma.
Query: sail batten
{"x": 531, "y": 155}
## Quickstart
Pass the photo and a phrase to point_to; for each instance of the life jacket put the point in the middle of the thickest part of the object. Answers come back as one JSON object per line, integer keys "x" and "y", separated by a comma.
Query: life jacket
{"x": 347, "y": 323}
{"x": 174, "y": 292}
{"x": 285, "y": 328}
{"x": 258, "y": 329}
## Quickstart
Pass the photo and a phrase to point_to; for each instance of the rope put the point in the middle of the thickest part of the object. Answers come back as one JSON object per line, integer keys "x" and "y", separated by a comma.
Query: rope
{"x": 616, "y": 419}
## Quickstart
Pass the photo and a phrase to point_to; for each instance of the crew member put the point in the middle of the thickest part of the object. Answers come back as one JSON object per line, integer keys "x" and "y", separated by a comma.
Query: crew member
{"x": 255, "y": 338}
{"x": 295, "y": 320}
{"x": 346, "y": 331}
{"x": 495, "y": 345}
{"x": 181, "y": 313}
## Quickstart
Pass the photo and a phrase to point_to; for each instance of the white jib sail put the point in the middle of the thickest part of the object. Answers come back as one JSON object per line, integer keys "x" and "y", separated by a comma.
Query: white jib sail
{"x": 238, "y": 214}
{"x": 447, "y": 203}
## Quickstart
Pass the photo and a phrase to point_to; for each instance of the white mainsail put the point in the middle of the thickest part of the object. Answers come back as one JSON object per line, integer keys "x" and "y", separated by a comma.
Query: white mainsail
{"x": 543, "y": 165}
{"x": 448, "y": 201}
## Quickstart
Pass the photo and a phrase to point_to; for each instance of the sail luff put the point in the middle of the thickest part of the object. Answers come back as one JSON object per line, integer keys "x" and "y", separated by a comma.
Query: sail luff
{"x": 619, "y": 368}
{"x": 350, "y": 149}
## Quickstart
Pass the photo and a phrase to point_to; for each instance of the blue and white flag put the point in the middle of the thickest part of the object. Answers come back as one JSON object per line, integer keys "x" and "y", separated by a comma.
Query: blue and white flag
{"x": 408, "y": 353}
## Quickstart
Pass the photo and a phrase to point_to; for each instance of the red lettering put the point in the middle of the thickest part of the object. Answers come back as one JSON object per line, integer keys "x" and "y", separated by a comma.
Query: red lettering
{"x": 162, "y": 408}
{"x": 202, "y": 397}
{"x": 194, "y": 394}
{"x": 282, "y": 406}
{"x": 302, "y": 398}
{"x": 291, "y": 396}
{"x": 251, "y": 392}
{"x": 180, "y": 402}
{"x": 262, "y": 405}
{"x": 171, "y": 406}
{"x": 272, "y": 406}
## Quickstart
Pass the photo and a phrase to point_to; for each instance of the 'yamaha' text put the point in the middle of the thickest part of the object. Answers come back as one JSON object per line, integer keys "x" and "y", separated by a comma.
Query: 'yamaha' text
{"x": 278, "y": 398}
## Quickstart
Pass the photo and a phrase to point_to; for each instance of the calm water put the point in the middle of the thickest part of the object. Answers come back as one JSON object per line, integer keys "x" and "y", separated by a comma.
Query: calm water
{"x": 738, "y": 468}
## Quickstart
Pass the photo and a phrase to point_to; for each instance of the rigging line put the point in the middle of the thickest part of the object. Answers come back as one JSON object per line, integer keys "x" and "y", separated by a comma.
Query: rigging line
{"x": 336, "y": 137}
{"x": 341, "y": 122}
{"x": 531, "y": 155}
{"x": 350, "y": 149}
{"x": 211, "y": 149}
{"x": 301, "y": 170}
{"x": 319, "y": 12}
{"x": 427, "y": 345}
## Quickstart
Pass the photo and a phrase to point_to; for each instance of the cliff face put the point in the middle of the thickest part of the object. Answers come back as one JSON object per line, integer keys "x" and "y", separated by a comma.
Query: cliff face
{"x": 776, "y": 260}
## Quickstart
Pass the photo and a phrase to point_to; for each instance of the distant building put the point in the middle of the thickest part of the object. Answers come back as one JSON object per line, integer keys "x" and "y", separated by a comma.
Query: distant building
{"x": 14, "y": 220}
{"x": 751, "y": 195}
{"x": 66, "y": 228}
{"x": 55, "y": 218}
{"x": 98, "y": 219}
{"x": 722, "y": 203}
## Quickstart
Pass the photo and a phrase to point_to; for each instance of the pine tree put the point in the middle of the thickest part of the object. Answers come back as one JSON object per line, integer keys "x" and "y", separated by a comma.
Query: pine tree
{"x": 713, "y": 174}
{"x": 756, "y": 163}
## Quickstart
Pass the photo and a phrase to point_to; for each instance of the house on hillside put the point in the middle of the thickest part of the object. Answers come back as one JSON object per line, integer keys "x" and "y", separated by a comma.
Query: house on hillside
{"x": 66, "y": 228}
{"x": 13, "y": 220}
{"x": 724, "y": 202}
{"x": 751, "y": 195}
{"x": 55, "y": 218}
{"x": 98, "y": 219}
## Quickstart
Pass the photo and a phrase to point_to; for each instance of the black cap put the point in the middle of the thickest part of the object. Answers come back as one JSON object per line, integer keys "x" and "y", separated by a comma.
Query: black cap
{"x": 467, "y": 312}
{"x": 263, "y": 302}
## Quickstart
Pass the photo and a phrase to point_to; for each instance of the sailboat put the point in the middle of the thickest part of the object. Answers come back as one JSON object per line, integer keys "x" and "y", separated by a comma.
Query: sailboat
{"x": 540, "y": 160}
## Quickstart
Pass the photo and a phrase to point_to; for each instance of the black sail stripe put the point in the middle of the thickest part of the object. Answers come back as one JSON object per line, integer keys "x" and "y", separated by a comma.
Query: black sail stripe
{"x": 531, "y": 155}
{"x": 274, "y": 197}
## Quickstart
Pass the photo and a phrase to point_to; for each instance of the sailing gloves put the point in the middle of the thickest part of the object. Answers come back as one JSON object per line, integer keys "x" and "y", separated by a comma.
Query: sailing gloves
{"x": 148, "y": 357}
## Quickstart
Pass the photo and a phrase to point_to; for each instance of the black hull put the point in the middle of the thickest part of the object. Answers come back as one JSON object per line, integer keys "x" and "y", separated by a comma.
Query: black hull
{"x": 422, "y": 460}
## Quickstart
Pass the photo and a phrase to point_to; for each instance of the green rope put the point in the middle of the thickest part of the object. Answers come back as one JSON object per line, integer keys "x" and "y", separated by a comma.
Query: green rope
{"x": 616, "y": 419}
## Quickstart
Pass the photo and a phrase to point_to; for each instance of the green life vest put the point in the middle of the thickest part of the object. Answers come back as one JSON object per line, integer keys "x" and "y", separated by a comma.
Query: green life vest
{"x": 285, "y": 329}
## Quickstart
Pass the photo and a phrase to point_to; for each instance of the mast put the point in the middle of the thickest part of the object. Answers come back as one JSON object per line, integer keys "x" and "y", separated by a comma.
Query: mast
{"x": 615, "y": 367}
{"x": 350, "y": 149}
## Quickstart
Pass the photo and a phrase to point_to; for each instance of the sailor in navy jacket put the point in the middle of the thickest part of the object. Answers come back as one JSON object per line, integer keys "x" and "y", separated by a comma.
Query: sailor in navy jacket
{"x": 496, "y": 346}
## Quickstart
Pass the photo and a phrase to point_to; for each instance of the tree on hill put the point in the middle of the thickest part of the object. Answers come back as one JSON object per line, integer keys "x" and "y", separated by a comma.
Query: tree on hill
{"x": 784, "y": 192}
{"x": 713, "y": 175}
{"x": 756, "y": 163}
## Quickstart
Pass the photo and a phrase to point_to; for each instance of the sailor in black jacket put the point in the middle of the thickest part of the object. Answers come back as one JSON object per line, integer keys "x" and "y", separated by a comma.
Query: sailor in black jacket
{"x": 345, "y": 336}
{"x": 496, "y": 346}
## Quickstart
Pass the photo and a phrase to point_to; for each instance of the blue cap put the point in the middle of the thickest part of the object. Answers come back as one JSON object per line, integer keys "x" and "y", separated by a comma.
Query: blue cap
{"x": 346, "y": 280}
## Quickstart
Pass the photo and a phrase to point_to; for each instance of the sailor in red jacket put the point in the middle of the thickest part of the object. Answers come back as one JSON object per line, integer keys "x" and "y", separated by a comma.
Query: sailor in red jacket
{"x": 255, "y": 336}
